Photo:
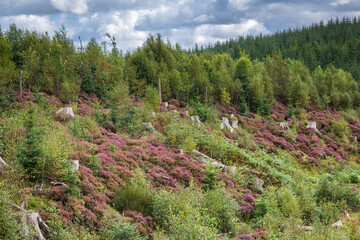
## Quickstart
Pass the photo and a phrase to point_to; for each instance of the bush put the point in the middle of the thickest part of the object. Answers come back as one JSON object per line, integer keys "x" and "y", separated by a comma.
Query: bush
{"x": 181, "y": 216}
{"x": 151, "y": 97}
{"x": 330, "y": 190}
{"x": 219, "y": 204}
{"x": 135, "y": 195}
{"x": 206, "y": 114}
{"x": 8, "y": 226}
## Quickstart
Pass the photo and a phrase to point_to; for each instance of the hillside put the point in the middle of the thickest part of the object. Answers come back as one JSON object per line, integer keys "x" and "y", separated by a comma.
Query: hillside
{"x": 237, "y": 148}
{"x": 334, "y": 42}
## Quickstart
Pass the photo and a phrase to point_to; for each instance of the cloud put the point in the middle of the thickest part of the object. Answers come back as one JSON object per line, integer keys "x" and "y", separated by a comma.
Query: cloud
{"x": 72, "y": 6}
{"x": 182, "y": 21}
{"x": 208, "y": 33}
{"x": 31, "y": 22}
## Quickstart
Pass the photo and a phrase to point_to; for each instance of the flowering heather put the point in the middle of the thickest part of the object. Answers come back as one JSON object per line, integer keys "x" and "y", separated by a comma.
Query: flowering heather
{"x": 144, "y": 224}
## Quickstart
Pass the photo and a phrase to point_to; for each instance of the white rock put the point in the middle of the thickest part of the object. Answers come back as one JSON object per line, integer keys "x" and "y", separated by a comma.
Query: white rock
{"x": 337, "y": 224}
{"x": 66, "y": 111}
{"x": 234, "y": 124}
{"x": 284, "y": 126}
{"x": 196, "y": 119}
{"x": 311, "y": 124}
{"x": 225, "y": 124}
{"x": 75, "y": 164}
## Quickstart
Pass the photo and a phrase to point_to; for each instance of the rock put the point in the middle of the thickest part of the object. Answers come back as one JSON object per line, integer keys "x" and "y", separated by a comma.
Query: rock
{"x": 66, "y": 111}
{"x": 225, "y": 124}
{"x": 234, "y": 124}
{"x": 259, "y": 182}
{"x": 166, "y": 104}
{"x": 284, "y": 126}
{"x": 2, "y": 163}
{"x": 311, "y": 124}
{"x": 337, "y": 224}
{"x": 196, "y": 119}
{"x": 149, "y": 126}
{"x": 75, "y": 164}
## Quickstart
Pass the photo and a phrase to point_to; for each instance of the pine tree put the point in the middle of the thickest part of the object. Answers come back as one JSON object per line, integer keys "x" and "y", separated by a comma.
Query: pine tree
{"x": 30, "y": 152}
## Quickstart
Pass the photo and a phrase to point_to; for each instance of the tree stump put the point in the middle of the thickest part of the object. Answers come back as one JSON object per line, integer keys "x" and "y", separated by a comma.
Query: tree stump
{"x": 75, "y": 164}
{"x": 311, "y": 124}
{"x": 225, "y": 124}
{"x": 68, "y": 111}
{"x": 284, "y": 126}
{"x": 197, "y": 120}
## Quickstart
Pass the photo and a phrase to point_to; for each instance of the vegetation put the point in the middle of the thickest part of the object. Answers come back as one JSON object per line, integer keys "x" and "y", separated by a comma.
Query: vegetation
{"x": 270, "y": 176}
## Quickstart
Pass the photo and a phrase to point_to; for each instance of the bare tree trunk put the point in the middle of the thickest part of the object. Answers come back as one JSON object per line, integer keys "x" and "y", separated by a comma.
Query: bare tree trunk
{"x": 159, "y": 85}
{"x": 20, "y": 84}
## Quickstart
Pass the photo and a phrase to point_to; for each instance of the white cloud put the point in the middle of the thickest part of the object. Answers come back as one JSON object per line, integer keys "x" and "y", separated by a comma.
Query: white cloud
{"x": 72, "y": 6}
{"x": 31, "y": 22}
{"x": 121, "y": 25}
{"x": 207, "y": 33}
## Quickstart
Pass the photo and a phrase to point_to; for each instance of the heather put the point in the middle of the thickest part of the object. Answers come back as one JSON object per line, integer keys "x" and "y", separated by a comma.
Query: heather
{"x": 235, "y": 149}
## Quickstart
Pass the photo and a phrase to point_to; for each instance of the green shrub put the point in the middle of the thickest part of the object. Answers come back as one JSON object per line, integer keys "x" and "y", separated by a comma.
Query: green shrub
{"x": 151, "y": 97}
{"x": 206, "y": 114}
{"x": 340, "y": 128}
{"x": 219, "y": 204}
{"x": 211, "y": 179}
{"x": 327, "y": 212}
{"x": 119, "y": 94}
{"x": 330, "y": 190}
{"x": 135, "y": 195}
{"x": 180, "y": 214}
{"x": 8, "y": 226}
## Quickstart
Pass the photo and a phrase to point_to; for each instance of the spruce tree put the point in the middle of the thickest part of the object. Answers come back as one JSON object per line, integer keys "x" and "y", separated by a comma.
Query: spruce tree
{"x": 30, "y": 152}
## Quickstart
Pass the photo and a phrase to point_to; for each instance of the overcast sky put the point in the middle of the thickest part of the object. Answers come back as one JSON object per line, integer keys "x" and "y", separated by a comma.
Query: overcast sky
{"x": 185, "y": 21}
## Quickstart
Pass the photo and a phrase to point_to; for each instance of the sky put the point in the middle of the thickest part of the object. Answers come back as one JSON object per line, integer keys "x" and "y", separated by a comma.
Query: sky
{"x": 185, "y": 21}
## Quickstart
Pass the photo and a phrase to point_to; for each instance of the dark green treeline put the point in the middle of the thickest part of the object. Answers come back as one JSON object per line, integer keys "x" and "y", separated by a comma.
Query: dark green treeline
{"x": 56, "y": 66}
